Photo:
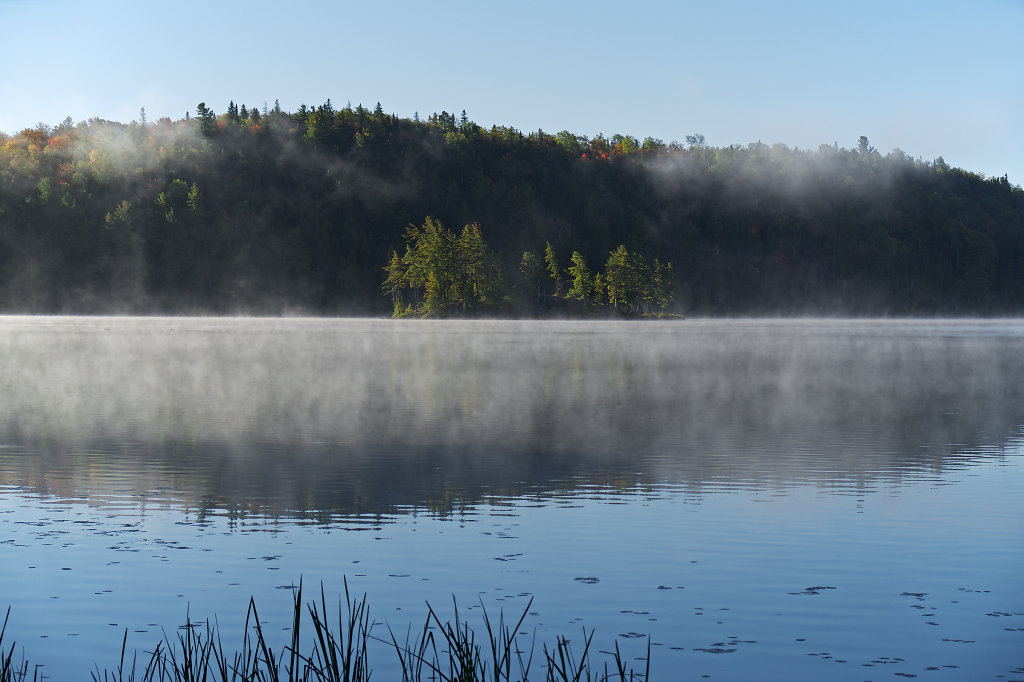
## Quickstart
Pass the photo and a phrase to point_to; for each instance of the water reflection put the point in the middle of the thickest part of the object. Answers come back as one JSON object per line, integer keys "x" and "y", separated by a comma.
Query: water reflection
{"x": 320, "y": 418}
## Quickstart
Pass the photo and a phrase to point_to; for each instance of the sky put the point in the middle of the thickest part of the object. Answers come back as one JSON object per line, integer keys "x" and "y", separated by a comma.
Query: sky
{"x": 930, "y": 77}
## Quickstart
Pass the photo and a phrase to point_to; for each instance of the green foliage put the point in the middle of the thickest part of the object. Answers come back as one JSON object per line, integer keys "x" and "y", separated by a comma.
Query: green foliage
{"x": 395, "y": 280}
{"x": 661, "y": 289}
{"x": 298, "y": 211}
{"x": 193, "y": 197}
{"x": 600, "y": 292}
{"x": 551, "y": 262}
{"x": 481, "y": 280}
{"x": 45, "y": 190}
{"x": 532, "y": 272}
{"x": 581, "y": 277}
{"x": 441, "y": 271}
{"x": 207, "y": 119}
{"x": 120, "y": 214}
{"x": 617, "y": 276}
{"x": 573, "y": 144}
{"x": 634, "y": 286}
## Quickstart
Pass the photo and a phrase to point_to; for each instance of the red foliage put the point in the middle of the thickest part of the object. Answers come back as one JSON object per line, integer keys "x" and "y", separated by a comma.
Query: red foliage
{"x": 34, "y": 135}
{"x": 58, "y": 142}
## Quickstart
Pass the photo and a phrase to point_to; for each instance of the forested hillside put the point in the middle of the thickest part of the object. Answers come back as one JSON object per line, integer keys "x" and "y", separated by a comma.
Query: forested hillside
{"x": 265, "y": 211}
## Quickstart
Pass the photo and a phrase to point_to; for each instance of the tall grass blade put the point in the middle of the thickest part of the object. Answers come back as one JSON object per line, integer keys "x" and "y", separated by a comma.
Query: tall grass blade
{"x": 443, "y": 651}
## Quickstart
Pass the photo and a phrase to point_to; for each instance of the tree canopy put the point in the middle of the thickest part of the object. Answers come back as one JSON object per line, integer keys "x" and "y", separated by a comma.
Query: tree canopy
{"x": 441, "y": 273}
{"x": 265, "y": 211}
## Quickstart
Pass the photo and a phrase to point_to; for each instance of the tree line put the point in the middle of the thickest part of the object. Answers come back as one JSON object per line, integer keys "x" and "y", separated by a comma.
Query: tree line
{"x": 261, "y": 210}
{"x": 441, "y": 273}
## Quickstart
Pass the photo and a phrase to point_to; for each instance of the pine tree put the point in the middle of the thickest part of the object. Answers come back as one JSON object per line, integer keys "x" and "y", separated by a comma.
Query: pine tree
{"x": 434, "y": 303}
{"x": 479, "y": 267}
{"x": 532, "y": 272}
{"x": 193, "y": 197}
{"x": 207, "y": 120}
{"x": 552, "y": 264}
{"x": 600, "y": 289}
{"x": 392, "y": 285}
{"x": 449, "y": 271}
{"x": 616, "y": 273}
{"x": 582, "y": 279}
{"x": 663, "y": 285}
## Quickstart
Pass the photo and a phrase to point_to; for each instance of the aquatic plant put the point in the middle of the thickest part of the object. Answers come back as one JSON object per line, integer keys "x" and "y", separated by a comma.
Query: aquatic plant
{"x": 442, "y": 651}
{"x": 11, "y": 671}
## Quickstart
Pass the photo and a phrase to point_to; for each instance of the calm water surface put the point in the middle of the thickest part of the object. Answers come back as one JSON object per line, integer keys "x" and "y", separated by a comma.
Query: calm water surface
{"x": 763, "y": 499}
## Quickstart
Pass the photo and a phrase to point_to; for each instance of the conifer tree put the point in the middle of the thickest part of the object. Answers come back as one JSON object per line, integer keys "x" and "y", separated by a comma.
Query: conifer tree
{"x": 193, "y": 197}
{"x": 480, "y": 276}
{"x": 551, "y": 260}
{"x": 582, "y": 279}
{"x": 393, "y": 283}
{"x": 207, "y": 119}
{"x": 600, "y": 289}
{"x": 450, "y": 271}
{"x": 663, "y": 285}
{"x": 532, "y": 272}
{"x": 616, "y": 272}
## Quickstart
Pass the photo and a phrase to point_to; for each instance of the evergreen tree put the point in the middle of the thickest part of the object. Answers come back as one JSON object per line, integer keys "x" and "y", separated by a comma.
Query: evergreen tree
{"x": 479, "y": 265}
{"x": 600, "y": 289}
{"x": 207, "y": 120}
{"x": 581, "y": 277}
{"x": 450, "y": 271}
{"x": 663, "y": 289}
{"x": 617, "y": 276}
{"x": 435, "y": 303}
{"x": 532, "y": 272}
{"x": 551, "y": 260}
{"x": 394, "y": 281}
{"x": 313, "y": 226}
{"x": 639, "y": 281}
{"x": 193, "y": 197}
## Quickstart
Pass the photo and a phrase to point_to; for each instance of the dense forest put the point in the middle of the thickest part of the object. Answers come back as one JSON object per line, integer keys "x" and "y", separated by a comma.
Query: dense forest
{"x": 336, "y": 211}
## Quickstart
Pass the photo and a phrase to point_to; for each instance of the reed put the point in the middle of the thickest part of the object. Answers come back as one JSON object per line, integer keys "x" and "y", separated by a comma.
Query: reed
{"x": 11, "y": 670}
{"x": 338, "y": 651}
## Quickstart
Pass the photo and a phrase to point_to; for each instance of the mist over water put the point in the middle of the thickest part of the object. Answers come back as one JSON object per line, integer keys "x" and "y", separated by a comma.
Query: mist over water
{"x": 747, "y": 463}
{"x": 265, "y": 410}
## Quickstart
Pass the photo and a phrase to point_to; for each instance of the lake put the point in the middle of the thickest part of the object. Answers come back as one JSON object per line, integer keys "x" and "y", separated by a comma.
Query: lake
{"x": 761, "y": 499}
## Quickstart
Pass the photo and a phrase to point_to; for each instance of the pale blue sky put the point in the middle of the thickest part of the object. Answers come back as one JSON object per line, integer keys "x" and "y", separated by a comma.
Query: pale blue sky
{"x": 932, "y": 77}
